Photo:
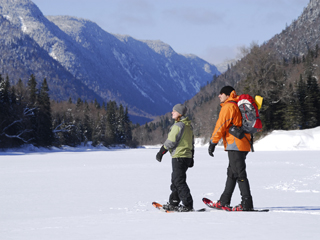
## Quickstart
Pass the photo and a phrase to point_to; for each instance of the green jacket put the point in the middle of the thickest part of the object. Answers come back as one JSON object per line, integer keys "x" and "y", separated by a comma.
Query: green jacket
{"x": 180, "y": 141}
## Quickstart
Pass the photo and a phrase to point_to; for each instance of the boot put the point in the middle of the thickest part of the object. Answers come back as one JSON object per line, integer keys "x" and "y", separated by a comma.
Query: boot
{"x": 219, "y": 205}
{"x": 246, "y": 205}
{"x": 169, "y": 207}
{"x": 182, "y": 208}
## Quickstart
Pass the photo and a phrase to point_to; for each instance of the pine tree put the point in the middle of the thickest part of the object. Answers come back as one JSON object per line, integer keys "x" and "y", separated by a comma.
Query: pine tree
{"x": 4, "y": 97}
{"x": 32, "y": 108}
{"x": 273, "y": 111}
{"x": 291, "y": 117}
{"x": 301, "y": 97}
{"x": 111, "y": 131}
{"x": 20, "y": 92}
{"x": 4, "y": 110}
{"x": 120, "y": 125}
{"x": 96, "y": 104}
{"x": 87, "y": 124}
{"x": 102, "y": 127}
{"x": 79, "y": 103}
{"x": 127, "y": 127}
{"x": 312, "y": 102}
{"x": 44, "y": 132}
{"x": 96, "y": 132}
{"x": 32, "y": 88}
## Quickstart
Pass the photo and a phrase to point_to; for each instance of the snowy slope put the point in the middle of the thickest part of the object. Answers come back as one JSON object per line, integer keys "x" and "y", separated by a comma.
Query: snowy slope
{"x": 291, "y": 140}
{"x": 88, "y": 193}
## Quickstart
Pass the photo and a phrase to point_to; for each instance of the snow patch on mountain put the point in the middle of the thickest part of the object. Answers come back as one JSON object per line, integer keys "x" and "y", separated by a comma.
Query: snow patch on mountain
{"x": 23, "y": 25}
{"x": 142, "y": 92}
{"x": 206, "y": 68}
{"x": 7, "y": 17}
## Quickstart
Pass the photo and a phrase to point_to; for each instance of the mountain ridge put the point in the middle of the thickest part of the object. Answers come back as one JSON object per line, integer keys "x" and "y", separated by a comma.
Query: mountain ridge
{"x": 301, "y": 35}
{"x": 147, "y": 76}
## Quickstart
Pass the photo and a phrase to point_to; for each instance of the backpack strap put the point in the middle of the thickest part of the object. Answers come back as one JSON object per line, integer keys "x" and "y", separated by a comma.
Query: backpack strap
{"x": 233, "y": 102}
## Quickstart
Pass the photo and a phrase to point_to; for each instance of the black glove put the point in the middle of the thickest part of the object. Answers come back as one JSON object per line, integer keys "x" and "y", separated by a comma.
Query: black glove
{"x": 211, "y": 148}
{"x": 160, "y": 154}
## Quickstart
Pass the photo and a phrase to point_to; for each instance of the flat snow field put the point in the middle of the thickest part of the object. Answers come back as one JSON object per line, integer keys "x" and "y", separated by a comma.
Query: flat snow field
{"x": 94, "y": 194}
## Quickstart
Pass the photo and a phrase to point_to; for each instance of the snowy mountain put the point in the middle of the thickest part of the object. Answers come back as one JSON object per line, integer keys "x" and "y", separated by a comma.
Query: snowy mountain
{"x": 301, "y": 35}
{"x": 21, "y": 56}
{"x": 147, "y": 76}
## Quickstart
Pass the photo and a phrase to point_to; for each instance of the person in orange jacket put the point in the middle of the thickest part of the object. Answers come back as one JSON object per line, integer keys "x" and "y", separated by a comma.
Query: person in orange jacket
{"x": 237, "y": 151}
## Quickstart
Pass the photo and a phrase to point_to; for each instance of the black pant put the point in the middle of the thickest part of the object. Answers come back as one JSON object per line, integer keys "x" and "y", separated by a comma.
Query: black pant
{"x": 237, "y": 173}
{"x": 179, "y": 187}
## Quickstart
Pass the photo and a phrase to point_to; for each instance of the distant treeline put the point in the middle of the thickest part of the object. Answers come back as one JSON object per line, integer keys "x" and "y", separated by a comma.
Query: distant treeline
{"x": 28, "y": 116}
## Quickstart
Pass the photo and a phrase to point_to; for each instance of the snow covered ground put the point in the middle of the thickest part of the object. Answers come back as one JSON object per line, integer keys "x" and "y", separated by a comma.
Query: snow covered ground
{"x": 94, "y": 194}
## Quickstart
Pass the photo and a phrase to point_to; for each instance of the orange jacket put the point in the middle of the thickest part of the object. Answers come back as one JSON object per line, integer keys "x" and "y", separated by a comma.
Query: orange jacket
{"x": 230, "y": 114}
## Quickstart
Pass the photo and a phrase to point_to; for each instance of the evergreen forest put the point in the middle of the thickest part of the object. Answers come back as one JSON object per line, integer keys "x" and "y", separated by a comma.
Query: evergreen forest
{"x": 28, "y": 116}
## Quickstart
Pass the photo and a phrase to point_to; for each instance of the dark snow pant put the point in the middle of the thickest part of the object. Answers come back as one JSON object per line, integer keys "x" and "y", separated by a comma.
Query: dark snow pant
{"x": 237, "y": 173}
{"x": 180, "y": 190}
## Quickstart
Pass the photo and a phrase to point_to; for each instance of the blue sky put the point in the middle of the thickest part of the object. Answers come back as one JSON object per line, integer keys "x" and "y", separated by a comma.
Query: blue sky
{"x": 211, "y": 29}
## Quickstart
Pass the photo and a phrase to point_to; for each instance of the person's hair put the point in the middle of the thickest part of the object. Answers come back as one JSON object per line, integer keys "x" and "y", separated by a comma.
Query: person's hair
{"x": 226, "y": 90}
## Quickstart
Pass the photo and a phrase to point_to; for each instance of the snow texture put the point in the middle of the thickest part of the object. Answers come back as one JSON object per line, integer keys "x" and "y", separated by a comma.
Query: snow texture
{"x": 100, "y": 193}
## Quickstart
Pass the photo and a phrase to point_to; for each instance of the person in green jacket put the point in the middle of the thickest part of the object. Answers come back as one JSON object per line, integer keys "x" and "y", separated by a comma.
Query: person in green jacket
{"x": 180, "y": 144}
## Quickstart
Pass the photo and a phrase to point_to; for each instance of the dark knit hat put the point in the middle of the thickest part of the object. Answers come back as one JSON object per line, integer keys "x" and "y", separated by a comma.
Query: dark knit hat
{"x": 180, "y": 109}
{"x": 227, "y": 90}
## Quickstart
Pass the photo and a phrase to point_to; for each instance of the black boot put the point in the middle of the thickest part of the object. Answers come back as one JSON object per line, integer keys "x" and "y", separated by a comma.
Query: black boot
{"x": 170, "y": 207}
{"x": 247, "y": 204}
